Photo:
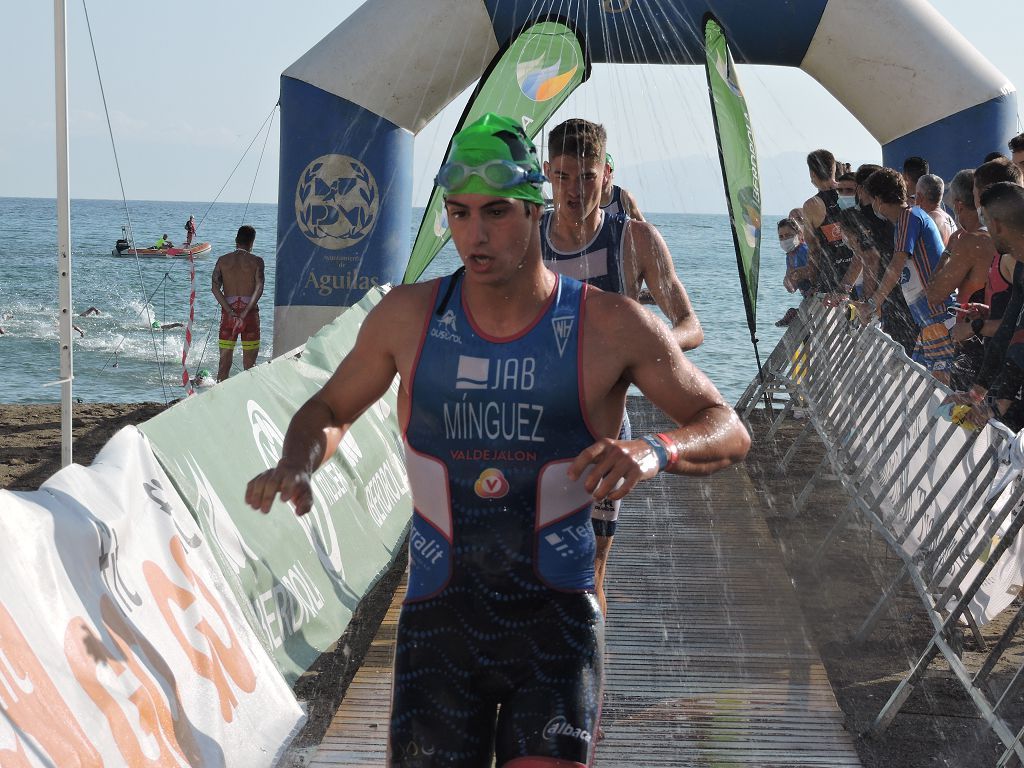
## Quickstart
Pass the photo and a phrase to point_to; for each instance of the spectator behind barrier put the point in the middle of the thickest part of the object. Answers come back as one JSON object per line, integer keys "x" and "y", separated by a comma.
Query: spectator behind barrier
{"x": 798, "y": 273}
{"x": 917, "y": 246}
{"x": 988, "y": 380}
{"x": 928, "y": 195}
{"x": 1016, "y": 147}
{"x": 1002, "y": 207}
{"x": 823, "y": 230}
{"x": 849, "y": 220}
{"x": 913, "y": 169}
{"x": 965, "y": 268}
{"x": 876, "y": 240}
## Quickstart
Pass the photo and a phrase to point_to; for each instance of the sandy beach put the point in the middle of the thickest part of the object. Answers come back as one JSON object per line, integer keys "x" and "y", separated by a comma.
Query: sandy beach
{"x": 30, "y": 446}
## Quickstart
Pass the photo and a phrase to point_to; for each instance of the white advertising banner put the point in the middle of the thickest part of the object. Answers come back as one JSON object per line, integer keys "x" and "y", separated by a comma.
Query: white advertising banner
{"x": 120, "y": 644}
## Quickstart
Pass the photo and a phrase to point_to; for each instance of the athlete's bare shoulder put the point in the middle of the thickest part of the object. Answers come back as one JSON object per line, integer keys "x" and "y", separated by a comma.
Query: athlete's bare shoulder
{"x": 613, "y": 318}
{"x": 814, "y": 210}
{"x": 970, "y": 246}
{"x": 643, "y": 238}
{"x": 630, "y": 206}
{"x": 394, "y": 327}
{"x": 980, "y": 240}
{"x": 640, "y": 229}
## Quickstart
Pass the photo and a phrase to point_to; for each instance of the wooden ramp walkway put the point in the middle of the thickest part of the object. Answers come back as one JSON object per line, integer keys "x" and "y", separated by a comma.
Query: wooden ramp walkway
{"x": 707, "y": 660}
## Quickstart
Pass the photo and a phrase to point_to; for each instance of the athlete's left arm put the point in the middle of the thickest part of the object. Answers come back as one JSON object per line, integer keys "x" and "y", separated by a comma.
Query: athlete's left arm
{"x": 630, "y": 205}
{"x": 258, "y": 288}
{"x": 653, "y": 263}
{"x": 709, "y": 436}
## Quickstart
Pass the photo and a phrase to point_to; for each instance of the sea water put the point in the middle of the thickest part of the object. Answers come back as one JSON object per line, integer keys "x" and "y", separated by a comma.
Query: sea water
{"x": 124, "y": 358}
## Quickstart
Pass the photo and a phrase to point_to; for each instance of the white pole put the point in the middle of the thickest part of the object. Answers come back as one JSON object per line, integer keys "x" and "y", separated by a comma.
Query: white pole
{"x": 63, "y": 227}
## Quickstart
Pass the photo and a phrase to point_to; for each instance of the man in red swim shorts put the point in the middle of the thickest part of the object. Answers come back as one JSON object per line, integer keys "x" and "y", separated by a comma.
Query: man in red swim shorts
{"x": 237, "y": 286}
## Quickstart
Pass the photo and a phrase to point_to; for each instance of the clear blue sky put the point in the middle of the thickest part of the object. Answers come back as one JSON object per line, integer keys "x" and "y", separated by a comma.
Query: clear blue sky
{"x": 189, "y": 83}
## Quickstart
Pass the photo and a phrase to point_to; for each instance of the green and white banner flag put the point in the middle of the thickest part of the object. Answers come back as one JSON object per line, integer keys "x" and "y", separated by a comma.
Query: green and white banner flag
{"x": 527, "y": 82}
{"x": 739, "y": 161}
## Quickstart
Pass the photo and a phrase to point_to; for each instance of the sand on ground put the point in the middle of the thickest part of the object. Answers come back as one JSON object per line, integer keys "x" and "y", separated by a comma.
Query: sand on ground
{"x": 30, "y": 437}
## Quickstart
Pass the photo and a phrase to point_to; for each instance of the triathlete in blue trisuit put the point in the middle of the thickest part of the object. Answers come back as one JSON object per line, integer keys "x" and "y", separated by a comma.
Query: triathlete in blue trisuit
{"x": 513, "y": 381}
{"x": 615, "y": 199}
{"x": 611, "y": 252}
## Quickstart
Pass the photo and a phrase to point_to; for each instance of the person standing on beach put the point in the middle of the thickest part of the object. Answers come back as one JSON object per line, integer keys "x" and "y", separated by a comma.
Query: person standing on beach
{"x": 614, "y": 253}
{"x": 190, "y": 230}
{"x": 237, "y": 286}
{"x": 499, "y": 651}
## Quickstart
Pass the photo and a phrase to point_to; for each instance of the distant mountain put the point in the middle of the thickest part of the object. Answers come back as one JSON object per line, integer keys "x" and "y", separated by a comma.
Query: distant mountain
{"x": 693, "y": 184}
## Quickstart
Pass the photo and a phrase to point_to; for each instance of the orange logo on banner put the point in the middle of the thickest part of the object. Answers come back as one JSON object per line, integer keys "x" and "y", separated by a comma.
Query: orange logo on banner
{"x": 94, "y": 663}
{"x": 32, "y": 703}
{"x": 226, "y": 659}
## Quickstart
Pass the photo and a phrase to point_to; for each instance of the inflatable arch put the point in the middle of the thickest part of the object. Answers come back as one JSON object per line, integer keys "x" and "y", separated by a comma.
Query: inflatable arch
{"x": 351, "y": 106}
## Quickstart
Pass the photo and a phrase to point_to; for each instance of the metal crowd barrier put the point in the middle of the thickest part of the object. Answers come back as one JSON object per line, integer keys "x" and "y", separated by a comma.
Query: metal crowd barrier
{"x": 924, "y": 483}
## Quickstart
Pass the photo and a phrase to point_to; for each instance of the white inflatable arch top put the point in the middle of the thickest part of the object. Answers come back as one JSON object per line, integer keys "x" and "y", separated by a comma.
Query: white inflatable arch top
{"x": 351, "y": 106}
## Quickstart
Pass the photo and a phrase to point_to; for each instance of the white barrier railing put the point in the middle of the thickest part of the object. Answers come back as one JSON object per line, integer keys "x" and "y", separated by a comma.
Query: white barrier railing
{"x": 926, "y": 485}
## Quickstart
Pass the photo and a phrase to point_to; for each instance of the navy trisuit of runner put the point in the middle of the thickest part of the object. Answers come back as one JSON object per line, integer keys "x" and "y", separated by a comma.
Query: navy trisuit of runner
{"x": 500, "y": 610}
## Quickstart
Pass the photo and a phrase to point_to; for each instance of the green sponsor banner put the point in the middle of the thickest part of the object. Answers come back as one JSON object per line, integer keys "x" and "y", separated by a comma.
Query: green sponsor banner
{"x": 298, "y": 579}
{"x": 739, "y": 161}
{"x": 527, "y": 82}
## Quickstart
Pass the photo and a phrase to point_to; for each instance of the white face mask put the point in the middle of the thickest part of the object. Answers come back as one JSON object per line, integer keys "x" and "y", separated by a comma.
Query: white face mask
{"x": 789, "y": 243}
{"x": 846, "y": 202}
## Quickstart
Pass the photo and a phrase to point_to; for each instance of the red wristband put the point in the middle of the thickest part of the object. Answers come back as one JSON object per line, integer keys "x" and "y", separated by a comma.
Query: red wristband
{"x": 671, "y": 446}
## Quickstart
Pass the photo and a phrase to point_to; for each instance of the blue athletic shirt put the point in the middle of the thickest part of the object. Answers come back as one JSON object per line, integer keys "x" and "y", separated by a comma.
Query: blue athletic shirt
{"x": 797, "y": 259}
{"x": 614, "y": 207}
{"x": 494, "y": 424}
{"x": 598, "y": 263}
{"x": 917, "y": 235}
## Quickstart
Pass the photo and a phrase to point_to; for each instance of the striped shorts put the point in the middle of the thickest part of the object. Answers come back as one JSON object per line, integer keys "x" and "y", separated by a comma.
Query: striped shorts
{"x": 934, "y": 348}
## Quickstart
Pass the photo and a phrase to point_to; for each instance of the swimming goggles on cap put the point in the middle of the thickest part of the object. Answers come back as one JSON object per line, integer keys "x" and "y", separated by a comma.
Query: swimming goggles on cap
{"x": 499, "y": 174}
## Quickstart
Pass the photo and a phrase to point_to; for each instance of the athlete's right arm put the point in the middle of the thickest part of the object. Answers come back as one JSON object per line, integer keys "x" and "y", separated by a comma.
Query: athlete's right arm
{"x": 318, "y": 426}
{"x": 629, "y": 205}
{"x": 953, "y": 268}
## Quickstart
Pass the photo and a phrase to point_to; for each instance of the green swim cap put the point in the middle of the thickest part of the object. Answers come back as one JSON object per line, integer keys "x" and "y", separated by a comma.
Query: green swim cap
{"x": 493, "y": 137}
{"x": 609, "y": 161}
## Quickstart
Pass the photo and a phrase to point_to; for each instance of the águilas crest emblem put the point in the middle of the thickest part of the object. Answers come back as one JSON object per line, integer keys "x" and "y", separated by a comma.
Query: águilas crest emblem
{"x": 336, "y": 201}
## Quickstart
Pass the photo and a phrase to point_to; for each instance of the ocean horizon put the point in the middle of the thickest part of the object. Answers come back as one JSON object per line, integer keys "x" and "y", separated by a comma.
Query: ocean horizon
{"x": 123, "y": 357}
